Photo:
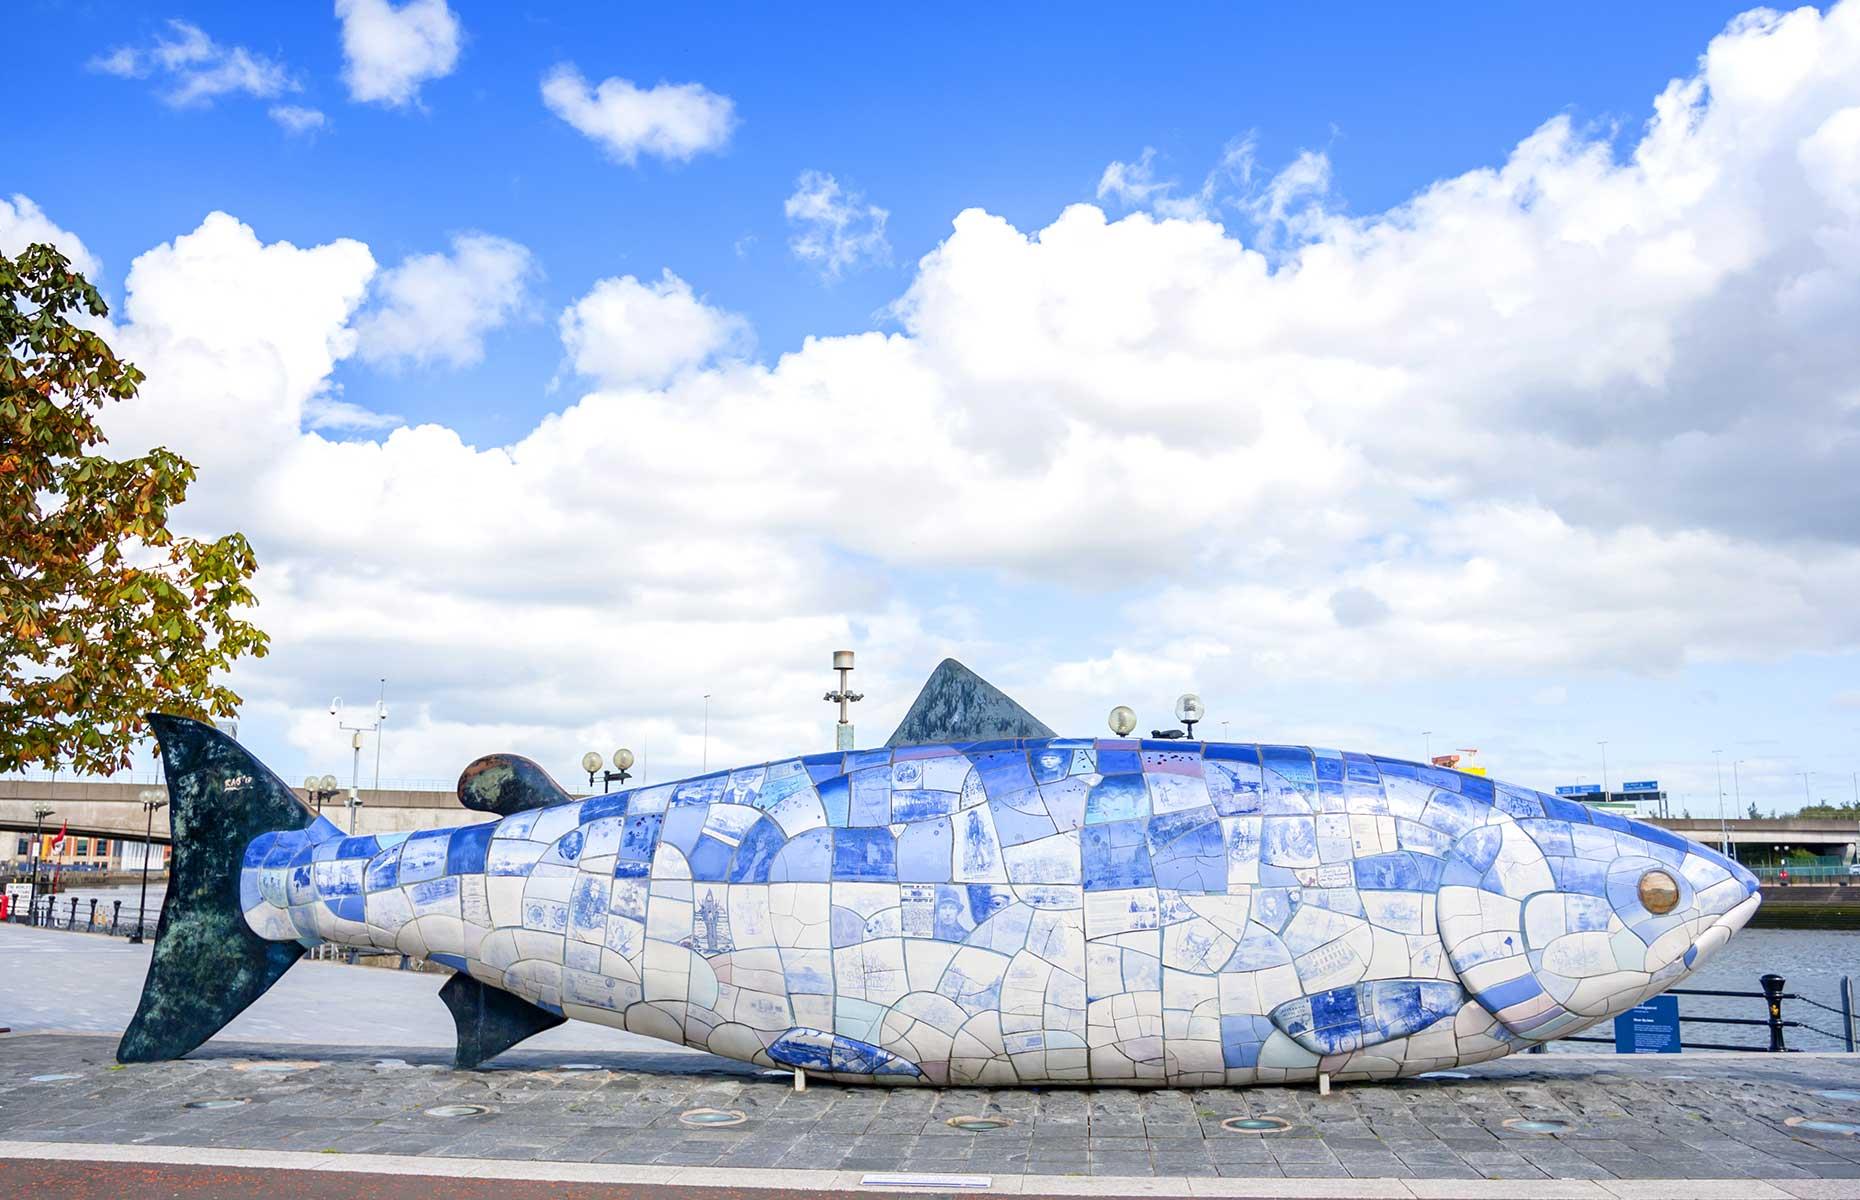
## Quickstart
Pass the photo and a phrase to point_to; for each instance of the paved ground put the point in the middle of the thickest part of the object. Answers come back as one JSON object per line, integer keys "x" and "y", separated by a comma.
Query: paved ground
{"x": 315, "y": 1003}
{"x": 1701, "y": 1117}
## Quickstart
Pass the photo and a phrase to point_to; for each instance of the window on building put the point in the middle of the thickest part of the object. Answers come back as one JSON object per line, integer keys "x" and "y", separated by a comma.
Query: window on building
{"x": 103, "y": 847}
{"x": 25, "y": 847}
{"x": 83, "y": 847}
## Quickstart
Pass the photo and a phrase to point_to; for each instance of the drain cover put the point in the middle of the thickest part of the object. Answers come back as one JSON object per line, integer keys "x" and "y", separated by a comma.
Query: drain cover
{"x": 216, "y": 1102}
{"x": 710, "y": 1117}
{"x": 457, "y": 1110}
{"x": 1816, "y": 1125}
{"x": 1840, "y": 1094}
{"x": 1532, "y": 1125}
{"x": 54, "y": 1078}
{"x": 935, "y": 1182}
{"x": 979, "y": 1124}
{"x": 1256, "y": 1124}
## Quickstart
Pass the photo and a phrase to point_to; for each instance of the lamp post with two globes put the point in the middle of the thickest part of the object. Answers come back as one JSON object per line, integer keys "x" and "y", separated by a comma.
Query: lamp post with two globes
{"x": 591, "y": 763}
{"x": 320, "y": 788}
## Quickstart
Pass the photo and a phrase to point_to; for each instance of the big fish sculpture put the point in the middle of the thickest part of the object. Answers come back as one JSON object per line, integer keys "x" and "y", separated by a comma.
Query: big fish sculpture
{"x": 996, "y": 907}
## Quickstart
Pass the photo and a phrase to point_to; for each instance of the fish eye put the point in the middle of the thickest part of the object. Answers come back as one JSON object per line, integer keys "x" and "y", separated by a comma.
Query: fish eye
{"x": 1658, "y": 893}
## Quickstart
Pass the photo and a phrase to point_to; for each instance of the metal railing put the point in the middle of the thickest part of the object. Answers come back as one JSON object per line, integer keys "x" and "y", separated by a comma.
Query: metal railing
{"x": 85, "y": 915}
{"x": 1773, "y": 1021}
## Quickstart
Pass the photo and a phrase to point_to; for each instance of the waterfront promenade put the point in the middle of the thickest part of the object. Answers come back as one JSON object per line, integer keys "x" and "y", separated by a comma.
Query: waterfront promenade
{"x": 339, "y": 1071}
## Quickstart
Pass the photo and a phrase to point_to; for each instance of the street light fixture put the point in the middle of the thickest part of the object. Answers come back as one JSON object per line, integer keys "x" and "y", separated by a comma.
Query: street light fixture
{"x": 591, "y": 763}
{"x": 152, "y": 799}
{"x": 39, "y": 813}
{"x": 1724, "y": 828}
{"x": 320, "y": 788}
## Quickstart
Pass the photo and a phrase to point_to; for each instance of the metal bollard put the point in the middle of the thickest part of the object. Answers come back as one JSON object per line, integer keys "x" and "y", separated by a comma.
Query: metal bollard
{"x": 1772, "y": 992}
{"x": 116, "y": 914}
{"x": 93, "y": 912}
{"x": 71, "y": 917}
{"x": 1847, "y": 1012}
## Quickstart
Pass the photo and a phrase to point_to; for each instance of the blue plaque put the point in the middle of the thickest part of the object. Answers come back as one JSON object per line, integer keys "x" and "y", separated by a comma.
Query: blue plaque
{"x": 1650, "y": 1028}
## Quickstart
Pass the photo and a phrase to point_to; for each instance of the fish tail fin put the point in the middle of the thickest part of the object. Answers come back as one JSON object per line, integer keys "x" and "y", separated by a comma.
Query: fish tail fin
{"x": 208, "y": 965}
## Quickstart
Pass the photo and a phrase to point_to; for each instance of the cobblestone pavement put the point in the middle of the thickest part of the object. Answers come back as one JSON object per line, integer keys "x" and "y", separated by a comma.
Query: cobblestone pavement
{"x": 1691, "y": 1117}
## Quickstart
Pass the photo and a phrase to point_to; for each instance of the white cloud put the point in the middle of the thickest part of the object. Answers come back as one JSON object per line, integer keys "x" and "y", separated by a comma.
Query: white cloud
{"x": 196, "y": 69}
{"x": 437, "y": 308}
{"x": 835, "y": 230}
{"x": 22, "y": 223}
{"x": 295, "y": 118}
{"x": 673, "y": 121}
{"x": 389, "y": 52}
{"x": 628, "y": 333}
{"x": 1290, "y": 201}
{"x": 1135, "y": 185}
{"x": 1583, "y": 411}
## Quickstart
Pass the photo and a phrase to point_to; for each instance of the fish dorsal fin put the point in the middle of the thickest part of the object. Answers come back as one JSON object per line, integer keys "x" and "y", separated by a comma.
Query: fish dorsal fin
{"x": 957, "y": 705}
{"x": 506, "y": 784}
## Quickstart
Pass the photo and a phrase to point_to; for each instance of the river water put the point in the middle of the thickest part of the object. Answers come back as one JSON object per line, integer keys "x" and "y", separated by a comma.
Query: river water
{"x": 1811, "y": 963}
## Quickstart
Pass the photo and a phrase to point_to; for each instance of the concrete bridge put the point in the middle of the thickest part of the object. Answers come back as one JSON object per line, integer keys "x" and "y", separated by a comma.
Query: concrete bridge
{"x": 1834, "y": 836}
{"x": 114, "y": 810}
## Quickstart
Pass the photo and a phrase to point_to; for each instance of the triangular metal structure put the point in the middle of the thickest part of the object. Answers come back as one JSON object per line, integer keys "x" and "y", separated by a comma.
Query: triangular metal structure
{"x": 957, "y": 705}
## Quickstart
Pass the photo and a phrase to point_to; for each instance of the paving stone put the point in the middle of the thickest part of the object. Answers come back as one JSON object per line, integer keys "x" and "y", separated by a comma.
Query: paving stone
{"x": 1627, "y": 1122}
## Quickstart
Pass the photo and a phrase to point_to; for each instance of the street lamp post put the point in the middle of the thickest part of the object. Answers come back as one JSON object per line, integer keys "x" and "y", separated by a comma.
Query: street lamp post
{"x": 591, "y": 763}
{"x": 1604, "y": 745}
{"x": 1427, "y": 743}
{"x": 320, "y": 788}
{"x": 1724, "y": 828}
{"x": 39, "y": 813}
{"x": 152, "y": 799}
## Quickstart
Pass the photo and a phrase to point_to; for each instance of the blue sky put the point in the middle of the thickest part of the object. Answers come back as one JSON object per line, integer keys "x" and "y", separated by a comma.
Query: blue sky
{"x": 1573, "y": 471}
{"x": 1014, "y": 111}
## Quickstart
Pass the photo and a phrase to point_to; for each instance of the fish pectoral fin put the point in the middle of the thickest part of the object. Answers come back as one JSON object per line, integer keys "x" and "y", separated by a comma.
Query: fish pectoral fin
{"x": 957, "y": 705}
{"x": 1366, "y": 1014}
{"x": 490, "y": 1021}
{"x": 508, "y": 783}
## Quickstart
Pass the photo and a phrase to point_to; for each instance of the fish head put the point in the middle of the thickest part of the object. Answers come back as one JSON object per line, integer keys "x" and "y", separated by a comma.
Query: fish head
{"x": 1558, "y": 922}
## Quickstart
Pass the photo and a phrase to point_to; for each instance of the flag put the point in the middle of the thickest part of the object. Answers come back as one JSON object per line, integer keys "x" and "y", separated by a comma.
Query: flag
{"x": 58, "y": 841}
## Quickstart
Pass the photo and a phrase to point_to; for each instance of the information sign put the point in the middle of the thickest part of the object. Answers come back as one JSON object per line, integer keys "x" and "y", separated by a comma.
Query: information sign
{"x": 1578, "y": 789}
{"x": 1643, "y": 785}
{"x": 1650, "y": 1028}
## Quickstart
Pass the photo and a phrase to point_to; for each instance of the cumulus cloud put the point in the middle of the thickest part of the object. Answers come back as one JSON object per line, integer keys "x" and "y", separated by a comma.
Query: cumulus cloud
{"x": 295, "y": 118}
{"x": 671, "y": 120}
{"x": 834, "y": 229}
{"x": 195, "y": 69}
{"x": 437, "y": 308}
{"x": 22, "y": 223}
{"x": 388, "y": 52}
{"x": 628, "y": 333}
{"x": 1583, "y": 410}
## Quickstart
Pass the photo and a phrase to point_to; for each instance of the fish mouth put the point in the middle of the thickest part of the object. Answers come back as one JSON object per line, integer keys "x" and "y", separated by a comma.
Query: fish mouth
{"x": 1719, "y": 932}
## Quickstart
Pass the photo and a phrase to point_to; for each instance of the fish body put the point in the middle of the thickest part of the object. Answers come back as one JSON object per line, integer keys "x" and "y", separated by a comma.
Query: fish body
{"x": 1039, "y": 910}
